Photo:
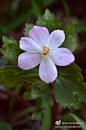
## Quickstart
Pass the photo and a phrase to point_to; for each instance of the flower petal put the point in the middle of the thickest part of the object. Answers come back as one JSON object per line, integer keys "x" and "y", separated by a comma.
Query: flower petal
{"x": 39, "y": 35}
{"x": 62, "y": 56}
{"x": 29, "y": 45}
{"x": 47, "y": 70}
{"x": 55, "y": 39}
{"x": 27, "y": 61}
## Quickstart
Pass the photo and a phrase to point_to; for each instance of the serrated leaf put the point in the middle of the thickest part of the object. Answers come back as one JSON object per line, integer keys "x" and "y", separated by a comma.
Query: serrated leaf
{"x": 46, "y": 123}
{"x": 69, "y": 87}
{"x": 46, "y": 20}
{"x": 10, "y": 50}
{"x": 12, "y": 75}
{"x": 57, "y": 24}
{"x": 70, "y": 37}
{"x": 27, "y": 28}
{"x": 7, "y": 40}
{"x": 12, "y": 40}
{"x": 81, "y": 122}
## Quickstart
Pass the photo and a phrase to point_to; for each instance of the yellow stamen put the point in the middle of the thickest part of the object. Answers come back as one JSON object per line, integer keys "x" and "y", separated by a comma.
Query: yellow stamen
{"x": 45, "y": 52}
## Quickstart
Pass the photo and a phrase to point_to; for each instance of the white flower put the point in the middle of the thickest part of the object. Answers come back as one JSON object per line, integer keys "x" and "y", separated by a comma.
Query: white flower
{"x": 42, "y": 48}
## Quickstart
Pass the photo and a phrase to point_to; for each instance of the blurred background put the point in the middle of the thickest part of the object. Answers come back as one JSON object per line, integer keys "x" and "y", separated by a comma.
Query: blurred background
{"x": 13, "y": 16}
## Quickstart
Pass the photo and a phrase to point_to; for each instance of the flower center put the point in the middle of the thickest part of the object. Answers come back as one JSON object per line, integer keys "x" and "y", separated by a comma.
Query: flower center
{"x": 45, "y": 52}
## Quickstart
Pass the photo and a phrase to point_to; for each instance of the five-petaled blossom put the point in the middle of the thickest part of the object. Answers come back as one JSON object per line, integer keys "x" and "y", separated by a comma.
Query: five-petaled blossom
{"x": 42, "y": 48}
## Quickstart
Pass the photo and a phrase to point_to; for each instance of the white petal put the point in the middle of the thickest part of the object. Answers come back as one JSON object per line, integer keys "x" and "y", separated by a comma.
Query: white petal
{"x": 27, "y": 61}
{"x": 29, "y": 45}
{"x": 39, "y": 35}
{"x": 47, "y": 70}
{"x": 55, "y": 39}
{"x": 62, "y": 56}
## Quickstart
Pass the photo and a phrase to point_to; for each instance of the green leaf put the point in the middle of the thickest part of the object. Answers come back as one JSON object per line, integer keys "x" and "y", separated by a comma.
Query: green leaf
{"x": 11, "y": 76}
{"x": 37, "y": 116}
{"x": 37, "y": 91}
{"x": 10, "y": 50}
{"x": 46, "y": 123}
{"x": 33, "y": 94}
{"x": 57, "y": 24}
{"x": 69, "y": 86}
{"x": 46, "y": 17}
{"x": 47, "y": 20}
{"x": 3, "y": 62}
{"x": 27, "y": 28}
{"x": 70, "y": 37}
{"x": 7, "y": 40}
{"x": 81, "y": 122}
{"x": 5, "y": 126}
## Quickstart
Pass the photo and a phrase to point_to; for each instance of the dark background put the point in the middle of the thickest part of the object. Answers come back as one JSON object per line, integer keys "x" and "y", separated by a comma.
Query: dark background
{"x": 13, "y": 16}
